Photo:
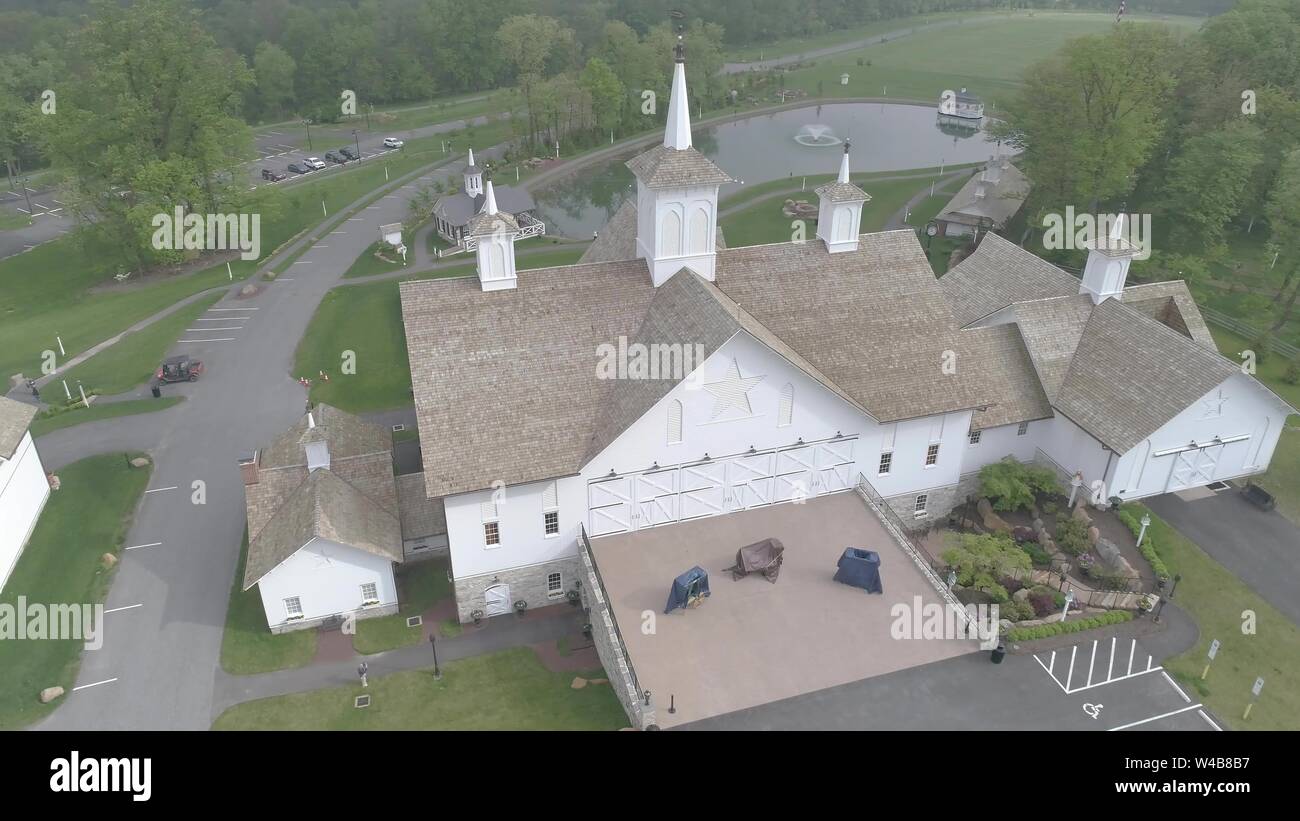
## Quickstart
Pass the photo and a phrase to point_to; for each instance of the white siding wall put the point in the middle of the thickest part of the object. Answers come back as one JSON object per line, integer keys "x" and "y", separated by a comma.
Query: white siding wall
{"x": 327, "y": 578}
{"x": 1073, "y": 449}
{"x": 997, "y": 443}
{"x": 523, "y": 539}
{"x": 23, "y": 492}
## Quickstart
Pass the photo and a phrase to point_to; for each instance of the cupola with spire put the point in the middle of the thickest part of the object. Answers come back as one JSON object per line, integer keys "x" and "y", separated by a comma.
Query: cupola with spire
{"x": 1106, "y": 271}
{"x": 473, "y": 177}
{"x": 494, "y": 233}
{"x": 839, "y": 214}
{"x": 677, "y": 193}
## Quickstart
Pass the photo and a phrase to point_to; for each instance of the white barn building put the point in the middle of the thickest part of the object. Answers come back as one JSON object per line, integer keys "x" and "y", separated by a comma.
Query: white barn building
{"x": 23, "y": 486}
{"x": 824, "y": 365}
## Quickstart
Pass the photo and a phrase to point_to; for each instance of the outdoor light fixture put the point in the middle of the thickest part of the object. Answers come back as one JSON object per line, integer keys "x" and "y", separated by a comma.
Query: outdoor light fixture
{"x": 800, "y": 440}
{"x": 612, "y": 474}
{"x": 751, "y": 450}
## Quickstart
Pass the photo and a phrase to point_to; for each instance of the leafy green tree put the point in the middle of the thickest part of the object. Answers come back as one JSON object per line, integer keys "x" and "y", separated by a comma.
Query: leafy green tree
{"x": 528, "y": 41}
{"x": 1208, "y": 181}
{"x": 605, "y": 91}
{"x": 1013, "y": 485}
{"x": 1283, "y": 211}
{"x": 274, "y": 70}
{"x": 983, "y": 560}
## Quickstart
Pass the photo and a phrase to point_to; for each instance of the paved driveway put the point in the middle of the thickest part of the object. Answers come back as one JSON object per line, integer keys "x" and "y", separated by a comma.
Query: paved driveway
{"x": 1262, "y": 548}
{"x": 167, "y": 605}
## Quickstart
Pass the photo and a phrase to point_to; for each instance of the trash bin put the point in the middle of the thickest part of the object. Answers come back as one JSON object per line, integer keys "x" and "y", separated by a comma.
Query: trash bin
{"x": 998, "y": 653}
{"x": 156, "y": 391}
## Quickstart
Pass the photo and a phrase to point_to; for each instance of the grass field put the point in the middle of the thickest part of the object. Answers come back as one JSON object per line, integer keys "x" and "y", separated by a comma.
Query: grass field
{"x": 763, "y": 222}
{"x": 419, "y": 586}
{"x": 1218, "y": 600}
{"x": 82, "y": 521}
{"x": 368, "y": 264}
{"x": 12, "y": 220}
{"x": 133, "y": 360}
{"x": 367, "y": 320}
{"x": 247, "y": 645}
{"x": 97, "y": 411}
{"x": 509, "y": 690}
{"x": 988, "y": 55}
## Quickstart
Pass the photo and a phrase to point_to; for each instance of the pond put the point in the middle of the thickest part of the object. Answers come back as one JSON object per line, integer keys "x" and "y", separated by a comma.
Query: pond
{"x": 886, "y": 137}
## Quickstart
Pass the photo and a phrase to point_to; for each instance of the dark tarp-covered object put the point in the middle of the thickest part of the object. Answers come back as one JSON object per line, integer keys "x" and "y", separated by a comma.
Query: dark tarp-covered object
{"x": 692, "y": 584}
{"x": 760, "y": 557}
{"x": 860, "y": 568}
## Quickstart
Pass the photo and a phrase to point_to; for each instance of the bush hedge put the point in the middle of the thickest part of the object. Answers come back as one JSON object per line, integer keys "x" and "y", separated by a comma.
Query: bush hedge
{"x": 1043, "y": 631}
{"x": 1147, "y": 548}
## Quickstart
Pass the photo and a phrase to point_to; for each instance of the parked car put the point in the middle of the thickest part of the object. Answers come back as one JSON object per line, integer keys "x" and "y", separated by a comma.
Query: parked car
{"x": 1258, "y": 497}
{"x": 315, "y": 162}
{"x": 268, "y": 174}
{"x": 179, "y": 369}
{"x": 351, "y": 154}
{"x": 300, "y": 168}
{"x": 393, "y": 142}
{"x": 335, "y": 157}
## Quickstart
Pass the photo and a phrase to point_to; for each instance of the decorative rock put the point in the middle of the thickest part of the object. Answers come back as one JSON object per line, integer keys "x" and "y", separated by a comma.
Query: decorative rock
{"x": 140, "y": 462}
{"x": 53, "y": 479}
{"x": 50, "y": 693}
{"x": 108, "y": 560}
{"x": 991, "y": 520}
{"x": 248, "y": 290}
{"x": 599, "y": 681}
{"x": 1021, "y": 595}
{"x": 1036, "y": 514}
{"x": 1082, "y": 515}
{"x": 1054, "y": 618}
{"x": 1038, "y": 523}
{"x": 1030, "y": 623}
{"x": 578, "y": 683}
{"x": 1093, "y": 535}
{"x": 1004, "y": 625}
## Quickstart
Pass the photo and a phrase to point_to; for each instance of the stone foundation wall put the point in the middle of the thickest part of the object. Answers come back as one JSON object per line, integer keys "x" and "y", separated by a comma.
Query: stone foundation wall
{"x": 526, "y": 584}
{"x": 609, "y": 647}
{"x": 364, "y": 613}
{"x": 941, "y": 502}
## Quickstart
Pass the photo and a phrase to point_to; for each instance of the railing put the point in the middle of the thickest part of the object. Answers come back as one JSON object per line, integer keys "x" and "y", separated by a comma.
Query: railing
{"x": 1250, "y": 332}
{"x": 585, "y": 544}
{"x": 529, "y": 226}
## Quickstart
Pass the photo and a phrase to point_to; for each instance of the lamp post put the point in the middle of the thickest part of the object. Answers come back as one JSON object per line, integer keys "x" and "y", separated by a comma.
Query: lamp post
{"x": 307, "y": 123}
{"x": 1177, "y": 578}
{"x": 357, "y": 140}
{"x": 1159, "y": 607}
{"x": 952, "y": 579}
{"x": 1146, "y": 522}
{"x": 1076, "y": 482}
{"x": 433, "y": 644}
{"x": 1069, "y": 600}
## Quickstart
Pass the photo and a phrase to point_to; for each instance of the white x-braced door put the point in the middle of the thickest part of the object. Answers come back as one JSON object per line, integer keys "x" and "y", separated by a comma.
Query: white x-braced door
{"x": 703, "y": 490}
{"x": 610, "y": 502}
{"x": 834, "y": 466}
{"x": 749, "y": 481}
{"x": 1193, "y": 468}
{"x": 656, "y": 497}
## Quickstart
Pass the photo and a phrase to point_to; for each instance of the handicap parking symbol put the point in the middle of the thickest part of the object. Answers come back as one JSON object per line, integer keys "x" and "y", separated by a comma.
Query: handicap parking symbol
{"x": 1093, "y": 710}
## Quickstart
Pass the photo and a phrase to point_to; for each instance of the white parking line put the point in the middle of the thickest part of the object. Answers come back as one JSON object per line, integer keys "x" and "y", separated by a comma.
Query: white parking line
{"x": 120, "y": 609}
{"x": 355, "y": 219}
{"x": 232, "y": 309}
{"x": 284, "y": 279}
{"x": 1210, "y": 722}
{"x": 338, "y": 232}
{"x": 303, "y": 262}
{"x": 95, "y": 684}
{"x": 138, "y": 546}
{"x": 222, "y": 339}
{"x": 1154, "y": 718}
{"x": 161, "y": 489}
{"x": 1067, "y": 685}
{"x": 1174, "y": 685}
{"x": 223, "y": 319}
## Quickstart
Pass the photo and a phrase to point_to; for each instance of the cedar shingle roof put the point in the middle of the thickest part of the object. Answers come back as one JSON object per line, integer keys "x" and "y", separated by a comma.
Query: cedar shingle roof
{"x": 1131, "y": 374}
{"x": 1051, "y": 329}
{"x": 1153, "y": 299}
{"x": 842, "y": 192}
{"x": 325, "y": 507}
{"x": 15, "y": 418}
{"x": 1002, "y": 198}
{"x": 664, "y": 167}
{"x": 998, "y": 273}
{"x": 1013, "y": 390}
{"x": 347, "y": 435}
{"x": 617, "y": 240}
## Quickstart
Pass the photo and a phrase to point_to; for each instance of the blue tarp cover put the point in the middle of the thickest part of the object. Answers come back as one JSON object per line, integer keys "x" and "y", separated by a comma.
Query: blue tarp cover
{"x": 677, "y": 597}
{"x": 860, "y": 568}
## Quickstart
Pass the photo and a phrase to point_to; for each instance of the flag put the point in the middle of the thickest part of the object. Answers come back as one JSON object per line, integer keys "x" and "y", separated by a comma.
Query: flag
{"x": 1121, "y": 10}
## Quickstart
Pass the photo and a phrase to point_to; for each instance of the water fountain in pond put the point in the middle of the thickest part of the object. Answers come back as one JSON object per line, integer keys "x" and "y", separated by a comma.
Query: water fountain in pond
{"x": 816, "y": 135}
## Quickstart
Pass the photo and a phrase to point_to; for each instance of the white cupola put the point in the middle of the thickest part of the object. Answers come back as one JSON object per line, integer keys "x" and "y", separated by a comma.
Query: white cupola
{"x": 1106, "y": 271}
{"x": 677, "y": 193}
{"x": 494, "y": 232}
{"x": 839, "y": 214}
{"x": 473, "y": 177}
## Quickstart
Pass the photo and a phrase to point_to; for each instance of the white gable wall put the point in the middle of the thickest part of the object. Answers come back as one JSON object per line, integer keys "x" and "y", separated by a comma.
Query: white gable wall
{"x": 327, "y": 578}
{"x": 519, "y": 513}
{"x": 23, "y": 493}
{"x": 1238, "y": 407}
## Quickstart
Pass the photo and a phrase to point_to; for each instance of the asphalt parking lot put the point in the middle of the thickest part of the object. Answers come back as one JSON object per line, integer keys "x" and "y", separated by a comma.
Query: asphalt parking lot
{"x": 1094, "y": 685}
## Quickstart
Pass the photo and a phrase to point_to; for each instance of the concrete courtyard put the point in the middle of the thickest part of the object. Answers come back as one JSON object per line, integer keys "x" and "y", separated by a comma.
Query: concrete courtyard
{"x": 753, "y": 642}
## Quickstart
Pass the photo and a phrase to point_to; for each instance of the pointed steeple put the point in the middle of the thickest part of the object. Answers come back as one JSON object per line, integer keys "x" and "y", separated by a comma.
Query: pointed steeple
{"x": 473, "y": 177}
{"x": 1106, "y": 272}
{"x": 490, "y": 200}
{"x": 494, "y": 233}
{"x": 839, "y": 214}
{"x": 471, "y": 158}
{"x": 677, "y": 133}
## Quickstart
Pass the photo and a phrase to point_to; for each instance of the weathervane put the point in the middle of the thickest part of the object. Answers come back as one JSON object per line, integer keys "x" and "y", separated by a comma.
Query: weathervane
{"x": 679, "y": 50}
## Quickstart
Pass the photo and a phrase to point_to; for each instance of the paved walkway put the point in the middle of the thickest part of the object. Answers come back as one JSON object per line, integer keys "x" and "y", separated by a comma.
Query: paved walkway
{"x": 500, "y": 633}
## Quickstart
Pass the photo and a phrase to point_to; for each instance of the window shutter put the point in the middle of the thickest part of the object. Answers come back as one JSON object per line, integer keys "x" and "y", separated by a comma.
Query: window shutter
{"x": 674, "y": 422}
{"x": 786, "y": 411}
{"x": 489, "y": 510}
{"x": 550, "y": 497}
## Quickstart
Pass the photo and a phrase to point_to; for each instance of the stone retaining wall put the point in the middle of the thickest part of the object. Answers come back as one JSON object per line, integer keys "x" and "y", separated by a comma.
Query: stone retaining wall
{"x": 527, "y": 584}
{"x": 610, "y": 649}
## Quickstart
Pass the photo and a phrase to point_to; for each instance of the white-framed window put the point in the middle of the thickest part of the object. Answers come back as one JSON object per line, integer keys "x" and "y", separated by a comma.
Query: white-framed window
{"x": 293, "y": 607}
{"x": 975, "y": 437}
{"x": 369, "y": 593}
{"x": 932, "y": 456}
{"x": 918, "y": 507}
{"x": 1023, "y": 429}
{"x": 491, "y": 534}
{"x": 785, "y": 412}
{"x": 551, "y": 523}
{"x": 554, "y": 585}
{"x": 886, "y": 462}
{"x": 674, "y": 422}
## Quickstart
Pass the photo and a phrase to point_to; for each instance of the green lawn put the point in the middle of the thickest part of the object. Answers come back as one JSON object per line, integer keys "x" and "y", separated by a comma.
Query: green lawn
{"x": 763, "y": 222}
{"x": 79, "y": 413}
{"x": 247, "y": 646}
{"x": 509, "y": 690}
{"x": 1216, "y": 599}
{"x": 367, "y": 320}
{"x": 801, "y": 45}
{"x": 1283, "y": 476}
{"x": 988, "y": 54}
{"x": 12, "y": 220}
{"x": 82, "y": 521}
{"x": 133, "y": 360}
{"x": 420, "y": 585}
{"x": 368, "y": 264}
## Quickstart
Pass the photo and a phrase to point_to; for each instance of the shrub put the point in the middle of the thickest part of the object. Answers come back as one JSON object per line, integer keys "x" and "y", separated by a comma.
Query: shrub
{"x": 1066, "y": 627}
{"x": 981, "y": 560}
{"x": 1050, "y": 507}
{"x": 1292, "y": 374}
{"x": 1037, "y": 554}
{"x": 1147, "y": 548}
{"x": 1043, "y": 604}
{"x": 1013, "y": 485}
{"x": 1016, "y": 610}
{"x": 1072, "y": 535}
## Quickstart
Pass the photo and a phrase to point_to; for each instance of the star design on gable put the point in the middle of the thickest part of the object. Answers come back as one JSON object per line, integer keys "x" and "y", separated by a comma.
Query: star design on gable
{"x": 732, "y": 391}
{"x": 1214, "y": 404}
